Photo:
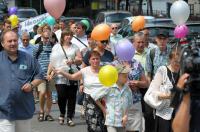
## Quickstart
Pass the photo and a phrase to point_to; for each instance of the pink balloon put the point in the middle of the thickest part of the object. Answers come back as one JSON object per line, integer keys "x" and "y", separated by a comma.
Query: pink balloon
{"x": 181, "y": 31}
{"x": 55, "y": 7}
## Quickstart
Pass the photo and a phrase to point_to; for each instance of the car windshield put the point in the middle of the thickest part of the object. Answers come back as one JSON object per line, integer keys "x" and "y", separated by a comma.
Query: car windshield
{"x": 26, "y": 14}
{"x": 194, "y": 28}
{"x": 116, "y": 18}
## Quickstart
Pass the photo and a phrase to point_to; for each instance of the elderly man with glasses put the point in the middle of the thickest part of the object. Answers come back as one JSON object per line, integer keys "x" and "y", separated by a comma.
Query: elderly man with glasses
{"x": 114, "y": 38}
{"x": 25, "y": 45}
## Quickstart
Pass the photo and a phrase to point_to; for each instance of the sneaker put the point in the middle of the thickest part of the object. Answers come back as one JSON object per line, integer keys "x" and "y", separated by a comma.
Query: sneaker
{"x": 70, "y": 122}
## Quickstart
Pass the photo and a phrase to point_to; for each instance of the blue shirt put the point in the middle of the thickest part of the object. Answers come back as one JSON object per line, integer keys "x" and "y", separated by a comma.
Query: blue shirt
{"x": 14, "y": 103}
{"x": 160, "y": 59}
{"x": 28, "y": 49}
{"x": 118, "y": 101}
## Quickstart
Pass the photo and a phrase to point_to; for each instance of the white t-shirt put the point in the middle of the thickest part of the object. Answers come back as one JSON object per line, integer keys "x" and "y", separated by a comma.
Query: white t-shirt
{"x": 78, "y": 43}
{"x": 58, "y": 60}
{"x": 91, "y": 81}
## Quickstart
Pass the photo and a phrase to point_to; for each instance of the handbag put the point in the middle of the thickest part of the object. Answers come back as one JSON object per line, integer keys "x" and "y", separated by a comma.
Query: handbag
{"x": 151, "y": 96}
{"x": 71, "y": 71}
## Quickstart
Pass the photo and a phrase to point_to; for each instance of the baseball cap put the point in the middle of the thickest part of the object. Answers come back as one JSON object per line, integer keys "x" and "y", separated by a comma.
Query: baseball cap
{"x": 162, "y": 32}
{"x": 122, "y": 68}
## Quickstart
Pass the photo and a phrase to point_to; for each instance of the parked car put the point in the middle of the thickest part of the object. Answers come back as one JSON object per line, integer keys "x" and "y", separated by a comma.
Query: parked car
{"x": 194, "y": 30}
{"x": 77, "y": 19}
{"x": 112, "y": 16}
{"x": 128, "y": 20}
{"x": 127, "y": 31}
{"x": 25, "y": 13}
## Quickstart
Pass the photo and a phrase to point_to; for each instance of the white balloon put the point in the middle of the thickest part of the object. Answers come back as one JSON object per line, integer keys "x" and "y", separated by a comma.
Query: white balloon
{"x": 179, "y": 12}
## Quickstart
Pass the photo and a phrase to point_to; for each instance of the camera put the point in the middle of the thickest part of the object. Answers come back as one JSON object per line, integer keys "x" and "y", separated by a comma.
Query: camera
{"x": 190, "y": 63}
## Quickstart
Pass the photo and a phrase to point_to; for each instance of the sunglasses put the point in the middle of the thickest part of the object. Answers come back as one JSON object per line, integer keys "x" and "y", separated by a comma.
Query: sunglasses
{"x": 104, "y": 42}
{"x": 114, "y": 28}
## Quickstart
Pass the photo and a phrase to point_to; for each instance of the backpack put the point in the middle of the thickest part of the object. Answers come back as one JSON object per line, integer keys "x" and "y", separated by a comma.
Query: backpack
{"x": 40, "y": 49}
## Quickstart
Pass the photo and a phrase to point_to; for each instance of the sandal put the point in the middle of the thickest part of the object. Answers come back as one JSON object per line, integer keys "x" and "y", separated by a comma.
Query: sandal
{"x": 41, "y": 117}
{"x": 61, "y": 120}
{"x": 49, "y": 118}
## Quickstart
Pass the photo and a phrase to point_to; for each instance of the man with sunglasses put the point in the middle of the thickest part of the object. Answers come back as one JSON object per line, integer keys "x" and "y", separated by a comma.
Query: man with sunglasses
{"x": 42, "y": 53}
{"x": 25, "y": 45}
{"x": 114, "y": 38}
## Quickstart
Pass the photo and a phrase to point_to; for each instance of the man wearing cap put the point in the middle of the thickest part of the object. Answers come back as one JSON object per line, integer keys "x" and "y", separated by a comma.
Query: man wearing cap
{"x": 158, "y": 56}
{"x": 118, "y": 99}
{"x": 155, "y": 58}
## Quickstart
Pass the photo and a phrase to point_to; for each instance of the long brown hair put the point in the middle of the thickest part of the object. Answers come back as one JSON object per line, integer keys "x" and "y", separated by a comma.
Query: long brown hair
{"x": 64, "y": 33}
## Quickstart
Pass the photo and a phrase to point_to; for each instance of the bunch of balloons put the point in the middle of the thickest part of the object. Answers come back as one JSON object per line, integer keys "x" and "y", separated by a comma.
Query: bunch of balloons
{"x": 180, "y": 13}
{"x": 55, "y": 7}
{"x": 13, "y": 18}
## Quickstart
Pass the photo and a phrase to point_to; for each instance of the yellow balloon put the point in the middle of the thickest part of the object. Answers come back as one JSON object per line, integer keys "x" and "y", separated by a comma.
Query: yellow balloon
{"x": 108, "y": 75}
{"x": 14, "y": 20}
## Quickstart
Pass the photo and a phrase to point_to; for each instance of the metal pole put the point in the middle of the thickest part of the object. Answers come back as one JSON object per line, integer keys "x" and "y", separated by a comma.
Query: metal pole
{"x": 40, "y": 7}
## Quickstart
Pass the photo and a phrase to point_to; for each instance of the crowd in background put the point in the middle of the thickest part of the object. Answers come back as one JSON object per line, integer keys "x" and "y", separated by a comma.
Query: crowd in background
{"x": 70, "y": 61}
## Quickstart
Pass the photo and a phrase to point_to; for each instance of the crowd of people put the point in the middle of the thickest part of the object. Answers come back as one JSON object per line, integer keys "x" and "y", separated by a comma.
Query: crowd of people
{"x": 67, "y": 58}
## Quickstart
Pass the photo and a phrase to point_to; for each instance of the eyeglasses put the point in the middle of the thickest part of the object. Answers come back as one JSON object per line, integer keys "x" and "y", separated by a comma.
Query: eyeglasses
{"x": 25, "y": 39}
{"x": 114, "y": 28}
{"x": 104, "y": 42}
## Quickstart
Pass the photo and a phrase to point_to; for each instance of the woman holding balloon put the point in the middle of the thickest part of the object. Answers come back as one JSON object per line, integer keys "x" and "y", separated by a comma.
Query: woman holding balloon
{"x": 89, "y": 75}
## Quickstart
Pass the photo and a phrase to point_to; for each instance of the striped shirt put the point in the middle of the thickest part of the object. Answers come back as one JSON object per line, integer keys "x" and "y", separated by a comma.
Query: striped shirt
{"x": 44, "y": 56}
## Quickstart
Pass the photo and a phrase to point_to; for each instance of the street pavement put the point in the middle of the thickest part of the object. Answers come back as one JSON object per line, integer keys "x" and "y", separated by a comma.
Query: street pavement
{"x": 54, "y": 126}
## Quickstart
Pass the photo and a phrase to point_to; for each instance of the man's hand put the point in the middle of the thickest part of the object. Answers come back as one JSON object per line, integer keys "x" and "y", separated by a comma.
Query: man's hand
{"x": 81, "y": 88}
{"x": 124, "y": 120}
{"x": 182, "y": 80}
{"x": 27, "y": 87}
{"x": 133, "y": 84}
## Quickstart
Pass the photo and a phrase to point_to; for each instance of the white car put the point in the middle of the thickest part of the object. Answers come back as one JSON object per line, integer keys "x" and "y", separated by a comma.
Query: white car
{"x": 110, "y": 17}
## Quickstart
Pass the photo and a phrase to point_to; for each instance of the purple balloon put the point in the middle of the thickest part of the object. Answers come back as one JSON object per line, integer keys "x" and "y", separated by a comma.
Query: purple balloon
{"x": 125, "y": 50}
{"x": 12, "y": 10}
{"x": 181, "y": 31}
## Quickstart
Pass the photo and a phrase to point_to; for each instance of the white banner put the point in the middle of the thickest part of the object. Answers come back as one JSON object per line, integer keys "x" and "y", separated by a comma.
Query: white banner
{"x": 27, "y": 26}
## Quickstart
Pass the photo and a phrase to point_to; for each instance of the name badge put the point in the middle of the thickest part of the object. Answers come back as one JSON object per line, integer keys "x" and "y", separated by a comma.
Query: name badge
{"x": 23, "y": 67}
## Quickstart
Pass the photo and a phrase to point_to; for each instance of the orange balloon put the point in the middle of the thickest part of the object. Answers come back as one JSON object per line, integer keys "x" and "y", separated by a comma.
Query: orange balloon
{"x": 101, "y": 32}
{"x": 138, "y": 23}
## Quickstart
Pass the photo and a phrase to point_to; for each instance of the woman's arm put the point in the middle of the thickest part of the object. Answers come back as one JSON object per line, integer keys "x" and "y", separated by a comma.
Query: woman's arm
{"x": 75, "y": 76}
{"x": 142, "y": 83}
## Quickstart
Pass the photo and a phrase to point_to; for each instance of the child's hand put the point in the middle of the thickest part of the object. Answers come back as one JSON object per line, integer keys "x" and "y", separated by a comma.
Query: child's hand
{"x": 124, "y": 120}
{"x": 58, "y": 71}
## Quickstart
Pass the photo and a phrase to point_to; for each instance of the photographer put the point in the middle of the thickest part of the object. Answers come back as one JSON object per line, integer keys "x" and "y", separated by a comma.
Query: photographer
{"x": 187, "y": 116}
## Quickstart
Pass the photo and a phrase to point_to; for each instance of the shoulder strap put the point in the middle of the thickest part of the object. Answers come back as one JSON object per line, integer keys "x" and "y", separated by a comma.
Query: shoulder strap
{"x": 40, "y": 49}
{"x": 64, "y": 52}
{"x": 152, "y": 56}
{"x": 80, "y": 41}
